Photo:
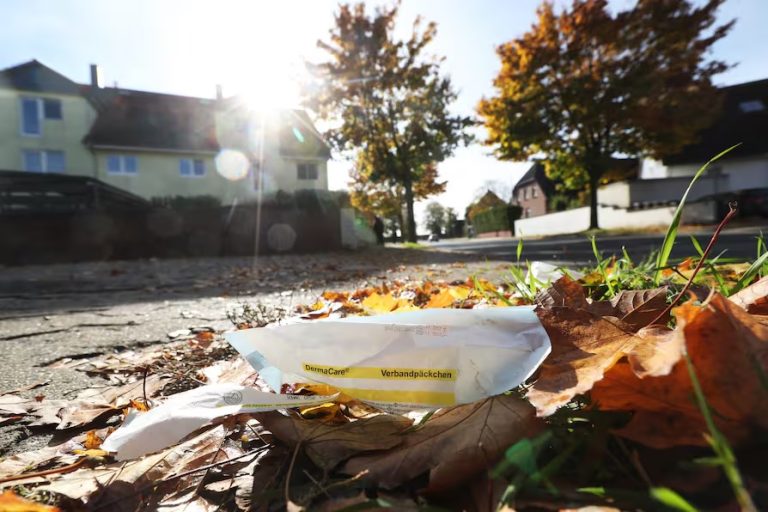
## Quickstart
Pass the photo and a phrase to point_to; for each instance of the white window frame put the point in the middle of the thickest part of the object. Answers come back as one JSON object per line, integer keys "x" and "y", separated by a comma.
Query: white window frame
{"x": 44, "y": 166}
{"x": 191, "y": 163}
{"x": 40, "y": 102}
{"x": 122, "y": 165}
{"x": 534, "y": 192}
{"x": 313, "y": 164}
{"x": 525, "y": 193}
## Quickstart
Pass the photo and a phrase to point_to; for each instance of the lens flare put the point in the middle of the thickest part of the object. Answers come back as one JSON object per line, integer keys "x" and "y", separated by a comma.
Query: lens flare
{"x": 232, "y": 164}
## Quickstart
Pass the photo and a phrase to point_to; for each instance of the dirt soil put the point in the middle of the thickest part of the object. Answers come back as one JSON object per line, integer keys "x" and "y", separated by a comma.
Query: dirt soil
{"x": 54, "y": 312}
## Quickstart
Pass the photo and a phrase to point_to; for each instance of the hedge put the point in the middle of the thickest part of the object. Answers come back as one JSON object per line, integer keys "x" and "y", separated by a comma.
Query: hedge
{"x": 499, "y": 218}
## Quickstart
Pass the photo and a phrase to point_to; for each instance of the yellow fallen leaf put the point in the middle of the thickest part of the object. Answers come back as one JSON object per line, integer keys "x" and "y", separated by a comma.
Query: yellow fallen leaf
{"x": 376, "y": 303}
{"x": 444, "y": 299}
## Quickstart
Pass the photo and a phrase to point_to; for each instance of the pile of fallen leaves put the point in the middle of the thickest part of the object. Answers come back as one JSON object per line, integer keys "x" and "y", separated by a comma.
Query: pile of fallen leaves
{"x": 626, "y": 412}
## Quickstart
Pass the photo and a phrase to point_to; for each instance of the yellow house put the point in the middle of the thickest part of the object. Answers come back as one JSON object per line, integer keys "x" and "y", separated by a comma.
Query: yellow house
{"x": 151, "y": 144}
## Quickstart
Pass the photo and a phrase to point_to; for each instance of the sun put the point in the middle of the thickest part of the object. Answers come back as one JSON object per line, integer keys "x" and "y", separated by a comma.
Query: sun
{"x": 264, "y": 45}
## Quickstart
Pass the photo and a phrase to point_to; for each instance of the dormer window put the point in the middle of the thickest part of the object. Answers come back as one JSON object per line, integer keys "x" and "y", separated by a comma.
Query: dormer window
{"x": 752, "y": 106}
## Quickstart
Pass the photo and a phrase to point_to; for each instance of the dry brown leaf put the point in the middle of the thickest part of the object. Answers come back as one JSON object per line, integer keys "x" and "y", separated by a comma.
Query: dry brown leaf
{"x": 14, "y": 405}
{"x": 328, "y": 445}
{"x": 729, "y": 350}
{"x": 83, "y": 414}
{"x": 564, "y": 292}
{"x": 454, "y": 445}
{"x": 753, "y": 298}
{"x": 637, "y": 308}
{"x": 584, "y": 347}
{"x": 10, "y": 502}
{"x": 658, "y": 350}
{"x": 115, "y": 478}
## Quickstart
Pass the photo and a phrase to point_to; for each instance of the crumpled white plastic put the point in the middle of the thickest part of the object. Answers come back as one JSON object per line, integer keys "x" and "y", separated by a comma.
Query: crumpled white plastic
{"x": 548, "y": 273}
{"x": 182, "y": 414}
{"x": 405, "y": 361}
{"x": 400, "y": 362}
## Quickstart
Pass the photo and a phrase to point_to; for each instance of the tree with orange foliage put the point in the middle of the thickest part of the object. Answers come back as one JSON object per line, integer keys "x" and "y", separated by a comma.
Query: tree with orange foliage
{"x": 387, "y": 98}
{"x": 585, "y": 85}
{"x": 385, "y": 198}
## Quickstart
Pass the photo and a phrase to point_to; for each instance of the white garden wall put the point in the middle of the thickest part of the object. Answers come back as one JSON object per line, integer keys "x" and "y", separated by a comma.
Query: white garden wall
{"x": 577, "y": 220}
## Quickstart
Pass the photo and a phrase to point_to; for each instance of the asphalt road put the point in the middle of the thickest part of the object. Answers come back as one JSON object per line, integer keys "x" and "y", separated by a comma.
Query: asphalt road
{"x": 577, "y": 249}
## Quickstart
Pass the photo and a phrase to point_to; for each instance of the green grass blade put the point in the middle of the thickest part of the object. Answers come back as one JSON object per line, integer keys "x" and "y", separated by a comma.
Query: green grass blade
{"x": 750, "y": 273}
{"x": 519, "y": 248}
{"x": 671, "y": 499}
{"x": 669, "y": 238}
{"x": 697, "y": 246}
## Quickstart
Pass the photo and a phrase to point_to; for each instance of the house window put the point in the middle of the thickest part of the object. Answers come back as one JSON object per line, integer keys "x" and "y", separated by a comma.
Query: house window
{"x": 307, "y": 171}
{"x": 34, "y": 110}
{"x": 122, "y": 164}
{"x": 534, "y": 192}
{"x": 525, "y": 193}
{"x": 527, "y": 212}
{"x": 30, "y": 116}
{"x": 52, "y": 109}
{"x": 191, "y": 168}
{"x": 752, "y": 106}
{"x": 36, "y": 160}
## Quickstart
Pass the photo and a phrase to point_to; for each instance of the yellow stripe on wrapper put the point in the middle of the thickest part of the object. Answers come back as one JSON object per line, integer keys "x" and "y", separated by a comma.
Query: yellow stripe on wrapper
{"x": 371, "y": 372}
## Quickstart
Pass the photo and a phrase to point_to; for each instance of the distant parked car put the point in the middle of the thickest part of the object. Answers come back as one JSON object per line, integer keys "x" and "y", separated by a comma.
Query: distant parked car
{"x": 434, "y": 237}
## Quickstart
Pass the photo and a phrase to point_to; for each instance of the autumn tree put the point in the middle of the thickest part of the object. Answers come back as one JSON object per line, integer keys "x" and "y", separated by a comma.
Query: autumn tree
{"x": 385, "y": 198}
{"x": 586, "y": 85}
{"x": 386, "y": 97}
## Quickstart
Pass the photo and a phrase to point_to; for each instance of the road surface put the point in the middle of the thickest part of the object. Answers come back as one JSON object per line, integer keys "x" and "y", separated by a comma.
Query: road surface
{"x": 577, "y": 249}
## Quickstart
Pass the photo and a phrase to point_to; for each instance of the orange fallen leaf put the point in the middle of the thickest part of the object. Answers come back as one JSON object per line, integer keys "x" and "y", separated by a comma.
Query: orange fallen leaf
{"x": 443, "y": 299}
{"x": 92, "y": 440}
{"x": 584, "y": 347}
{"x": 729, "y": 350}
{"x": 753, "y": 298}
{"x": 10, "y": 502}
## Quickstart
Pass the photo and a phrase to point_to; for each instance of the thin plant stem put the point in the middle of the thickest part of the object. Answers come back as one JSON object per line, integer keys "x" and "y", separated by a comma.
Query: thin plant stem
{"x": 731, "y": 213}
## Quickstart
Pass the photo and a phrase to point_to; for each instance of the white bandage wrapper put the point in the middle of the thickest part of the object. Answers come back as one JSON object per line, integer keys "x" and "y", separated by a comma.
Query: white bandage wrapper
{"x": 182, "y": 414}
{"x": 399, "y": 362}
{"x": 406, "y": 361}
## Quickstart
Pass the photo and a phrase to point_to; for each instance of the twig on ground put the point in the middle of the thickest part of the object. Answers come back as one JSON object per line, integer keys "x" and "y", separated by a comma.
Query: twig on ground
{"x": 731, "y": 213}
{"x": 65, "y": 469}
{"x": 182, "y": 475}
{"x": 290, "y": 472}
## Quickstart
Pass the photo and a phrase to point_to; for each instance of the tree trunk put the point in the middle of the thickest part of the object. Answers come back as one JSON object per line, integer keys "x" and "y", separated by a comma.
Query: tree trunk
{"x": 594, "y": 181}
{"x": 410, "y": 220}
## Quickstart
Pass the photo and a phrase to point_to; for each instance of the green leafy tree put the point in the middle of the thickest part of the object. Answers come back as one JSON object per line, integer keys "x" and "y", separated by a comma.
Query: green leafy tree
{"x": 385, "y": 199}
{"x": 450, "y": 221}
{"x": 585, "y": 85}
{"x": 387, "y": 98}
{"x": 434, "y": 218}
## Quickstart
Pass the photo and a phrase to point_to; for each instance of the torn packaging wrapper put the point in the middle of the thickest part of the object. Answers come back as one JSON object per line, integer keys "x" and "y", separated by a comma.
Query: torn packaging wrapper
{"x": 405, "y": 361}
{"x": 182, "y": 414}
{"x": 398, "y": 362}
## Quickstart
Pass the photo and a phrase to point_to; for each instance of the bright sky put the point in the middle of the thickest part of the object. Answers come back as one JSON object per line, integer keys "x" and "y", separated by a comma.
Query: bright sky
{"x": 258, "y": 46}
